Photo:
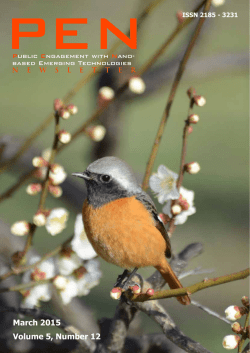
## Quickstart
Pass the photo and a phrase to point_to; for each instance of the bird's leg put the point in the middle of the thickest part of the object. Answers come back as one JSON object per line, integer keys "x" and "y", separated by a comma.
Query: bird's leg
{"x": 121, "y": 278}
{"x": 124, "y": 279}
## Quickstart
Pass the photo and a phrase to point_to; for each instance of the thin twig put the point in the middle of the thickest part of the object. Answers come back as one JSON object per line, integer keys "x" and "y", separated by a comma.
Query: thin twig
{"x": 24, "y": 286}
{"x": 176, "y": 82}
{"x": 45, "y": 185}
{"x": 193, "y": 288}
{"x": 196, "y": 271}
{"x": 244, "y": 333}
{"x": 210, "y": 312}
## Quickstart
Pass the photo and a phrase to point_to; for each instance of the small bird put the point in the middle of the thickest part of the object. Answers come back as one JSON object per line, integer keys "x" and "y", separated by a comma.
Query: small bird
{"x": 121, "y": 220}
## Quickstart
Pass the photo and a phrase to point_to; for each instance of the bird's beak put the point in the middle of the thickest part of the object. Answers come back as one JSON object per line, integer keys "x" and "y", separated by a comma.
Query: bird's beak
{"x": 82, "y": 175}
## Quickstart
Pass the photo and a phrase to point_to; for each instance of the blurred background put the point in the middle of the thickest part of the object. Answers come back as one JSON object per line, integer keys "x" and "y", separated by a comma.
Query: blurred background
{"x": 218, "y": 69}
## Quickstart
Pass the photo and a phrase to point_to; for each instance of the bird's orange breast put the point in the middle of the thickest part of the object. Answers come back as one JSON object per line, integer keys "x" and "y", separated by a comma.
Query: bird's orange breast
{"x": 122, "y": 232}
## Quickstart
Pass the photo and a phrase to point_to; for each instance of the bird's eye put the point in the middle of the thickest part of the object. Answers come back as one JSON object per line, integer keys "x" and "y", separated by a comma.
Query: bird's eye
{"x": 105, "y": 178}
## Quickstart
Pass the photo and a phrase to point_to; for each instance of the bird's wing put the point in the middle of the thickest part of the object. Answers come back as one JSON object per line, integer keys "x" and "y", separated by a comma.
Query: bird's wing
{"x": 150, "y": 206}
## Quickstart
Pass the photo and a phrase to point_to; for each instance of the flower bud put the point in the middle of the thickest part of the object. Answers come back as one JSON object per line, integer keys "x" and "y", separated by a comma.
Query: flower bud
{"x": 34, "y": 189}
{"x": 245, "y": 301}
{"x": 57, "y": 174}
{"x": 176, "y": 209}
{"x": 179, "y": 16}
{"x": 190, "y": 129}
{"x": 96, "y": 133}
{"x": 233, "y": 312}
{"x": 236, "y": 327}
{"x": 116, "y": 293}
{"x": 200, "y": 101}
{"x": 230, "y": 341}
{"x": 37, "y": 274}
{"x": 63, "y": 113}
{"x": 79, "y": 272}
{"x": 150, "y": 292}
{"x": 72, "y": 109}
{"x": 218, "y": 2}
{"x": 39, "y": 162}
{"x": 191, "y": 92}
{"x": 192, "y": 168}
{"x": 20, "y": 228}
{"x": 55, "y": 190}
{"x": 106, "y": 93}
{"x": 57, "y": 104}
{"x": 136, "y": 289}
{"x": 19, "y": 258}
{"x": 46, "y": 154}
{"x": 60, "y": 282}
{"x": 193, "y": 119}
{"x": 183, "y": 203}
{"x": 39, "y": 219}
{"x": 64, "y": 136}
{"x": 136, "y": 85}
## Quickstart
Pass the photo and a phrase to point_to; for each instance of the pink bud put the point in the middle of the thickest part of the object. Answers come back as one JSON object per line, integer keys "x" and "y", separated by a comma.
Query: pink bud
{"x": 116, "y": 293}
{"x": 72, "y": 109}
{"x": 136, "y": 289}
{"x": 192, "y": 168}
{"x": 245, "y": 301}
{"x": 39, "y": 162}
{"x": 96, "y": 133}
{"x": 236, "y": 327}
{"x": 57, "y": 104}
{"x": 190, "y": 129}
{"x": 193, "y": 118}
{"x": 150, "y": 292}
{"x": 200, "y": 101}
{"x": 55, "y": 190}
{"x": 179, "y": 16}
{"x": 63, "y": 113}
{"x": 64, "y": 136}
{"x": 183, "y": 203}
{"x": 191, "y": 92}
{"x": 34, "y": 189}
{"x": 39, "y": 219}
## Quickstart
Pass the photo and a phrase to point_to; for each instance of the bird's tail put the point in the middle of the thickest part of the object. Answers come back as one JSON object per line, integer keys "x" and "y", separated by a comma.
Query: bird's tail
{"x": 168, "y": 274}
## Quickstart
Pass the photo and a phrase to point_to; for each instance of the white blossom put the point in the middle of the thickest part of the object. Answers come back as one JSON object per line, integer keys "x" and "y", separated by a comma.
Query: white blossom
{"x": 187, "y": 197}
{"x": 67, "y": 262}
{"x": 57, "y": 174}
{"x": 70, "y": 290}
{"x": 57, "y": 221}
{"x": 43, "y": 292}
{"x": 163, "y": 183}
{"x": 80, "y": 243}
{"x": 90, "y": 279}
{"x": 20, "y": 228}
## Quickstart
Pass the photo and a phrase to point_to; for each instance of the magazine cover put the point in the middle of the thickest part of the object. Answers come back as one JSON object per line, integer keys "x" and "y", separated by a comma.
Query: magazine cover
{"x": 124, "y": 176}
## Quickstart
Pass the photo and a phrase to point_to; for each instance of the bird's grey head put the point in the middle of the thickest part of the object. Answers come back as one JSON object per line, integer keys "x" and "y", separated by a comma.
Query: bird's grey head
{"x": 108, "y": 179}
